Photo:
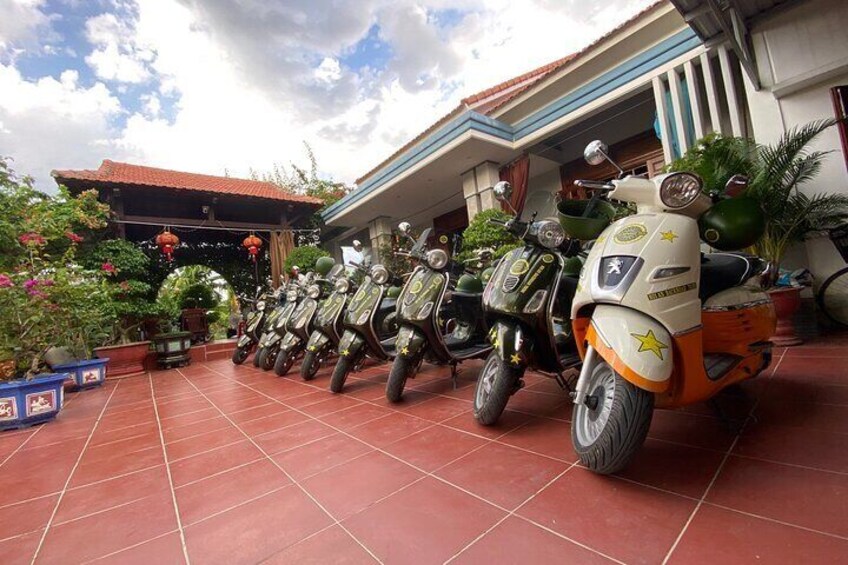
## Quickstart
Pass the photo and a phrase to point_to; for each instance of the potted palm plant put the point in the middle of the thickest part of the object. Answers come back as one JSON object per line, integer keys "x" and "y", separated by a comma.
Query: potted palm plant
{"x": 776, "y": 175}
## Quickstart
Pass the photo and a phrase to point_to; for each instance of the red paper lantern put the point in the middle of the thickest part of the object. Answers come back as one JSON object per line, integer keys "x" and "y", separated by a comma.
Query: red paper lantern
{"x": 167, "y": 242}
{"x": 252, "y": 244}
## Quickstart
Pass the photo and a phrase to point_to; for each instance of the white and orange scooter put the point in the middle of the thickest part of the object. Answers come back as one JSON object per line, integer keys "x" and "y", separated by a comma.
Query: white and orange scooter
{"x": 657, "y": 322}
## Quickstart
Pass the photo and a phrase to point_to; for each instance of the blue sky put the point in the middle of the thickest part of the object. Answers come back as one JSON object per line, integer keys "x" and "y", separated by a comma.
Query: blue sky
{"x": 208, "y": 85}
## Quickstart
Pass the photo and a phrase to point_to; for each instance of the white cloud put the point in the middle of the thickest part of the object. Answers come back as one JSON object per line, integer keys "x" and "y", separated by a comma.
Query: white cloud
{"x": 329, "y": 70}
{"x": 20, "y": 23}
{"x": 117, "y": 56}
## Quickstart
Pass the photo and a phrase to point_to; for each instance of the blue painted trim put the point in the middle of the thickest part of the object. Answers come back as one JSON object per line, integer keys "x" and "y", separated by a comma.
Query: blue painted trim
{"x": 644, "y": 62}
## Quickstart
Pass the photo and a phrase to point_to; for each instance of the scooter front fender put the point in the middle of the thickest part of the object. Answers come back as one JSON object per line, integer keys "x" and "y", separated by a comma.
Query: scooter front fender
{"x": 350, "y": 344}
{"x": 317, "y": 341}
{"x": 635, "y": 345}
{"x": 289, "y": 342}
{"x": 244, "y": 341}
{"x": 410, "y": 342}
{"x": 510, "y": 343}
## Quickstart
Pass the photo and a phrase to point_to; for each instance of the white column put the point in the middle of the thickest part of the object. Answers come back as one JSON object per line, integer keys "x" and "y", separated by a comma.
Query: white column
{"x": 730, "y": 91}
{"x": 662, "y": 117}
{"x": 712, "y": 92}
{"x": 487, "y": 176}
{"x": 469, "y": 191}
{"x": 694, "y": 99}
{"x": 380, "y": 233}
{"x": 678, "y": 110}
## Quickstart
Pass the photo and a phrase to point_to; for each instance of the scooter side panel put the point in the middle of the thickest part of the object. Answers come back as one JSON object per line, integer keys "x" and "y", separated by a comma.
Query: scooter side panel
{"x": 638, "y": 348}
{"x": 290, "y": 342}
{"x": 329, "y": 311}
{"x": 301, "y": 318}
{"x": 420, "y": 295}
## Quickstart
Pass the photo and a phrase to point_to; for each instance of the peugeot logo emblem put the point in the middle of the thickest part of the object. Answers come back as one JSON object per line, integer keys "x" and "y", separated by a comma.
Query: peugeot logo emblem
{"x": 614, "y": 266}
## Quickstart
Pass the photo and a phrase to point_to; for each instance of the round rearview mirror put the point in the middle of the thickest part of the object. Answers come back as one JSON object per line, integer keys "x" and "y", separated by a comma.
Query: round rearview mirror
{"x": 736, "y": 185}
{"x": 404, "y": 228}
{"x": 596, "y": 152}
{"x": 357, "y": 245}
{"x": 503, "y": 191}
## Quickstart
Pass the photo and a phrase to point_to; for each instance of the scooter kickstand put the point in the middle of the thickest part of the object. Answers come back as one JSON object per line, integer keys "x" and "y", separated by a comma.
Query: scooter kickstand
{"x": 454, "y": 374}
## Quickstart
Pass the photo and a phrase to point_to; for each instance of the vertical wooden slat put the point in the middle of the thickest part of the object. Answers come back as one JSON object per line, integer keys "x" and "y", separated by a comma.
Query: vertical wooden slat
{"x": 712, "y": 92}
{"x": 678, "y": 110}
{"x": 694, "y": 99}
{"x": 730, "y": 91}
{"x": 662, "y": 117}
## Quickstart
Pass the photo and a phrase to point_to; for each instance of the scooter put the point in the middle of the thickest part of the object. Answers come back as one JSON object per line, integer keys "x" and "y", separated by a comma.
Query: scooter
{"x": 527, "y": 304}
{"x": 269, "y": 344}
{"x": 300, "y": 325}
{"x": 370, "y": 325}
{"x": 254, "y": 325}
{"x": 418, "y": 310}
{"x": 657, "y": 323}
{"x": 327, "y": 326}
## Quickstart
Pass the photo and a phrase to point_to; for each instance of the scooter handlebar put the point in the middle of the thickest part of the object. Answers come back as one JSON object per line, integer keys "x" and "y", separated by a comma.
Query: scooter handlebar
{"x": 594, "y": 185}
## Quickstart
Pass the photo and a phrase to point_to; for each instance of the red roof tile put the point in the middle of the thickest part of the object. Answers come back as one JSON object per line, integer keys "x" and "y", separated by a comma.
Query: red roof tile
{"x": 113, "y": 172}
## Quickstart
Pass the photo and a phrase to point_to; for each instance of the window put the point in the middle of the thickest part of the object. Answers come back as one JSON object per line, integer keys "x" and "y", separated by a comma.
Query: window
{"x": 840, "y": 106}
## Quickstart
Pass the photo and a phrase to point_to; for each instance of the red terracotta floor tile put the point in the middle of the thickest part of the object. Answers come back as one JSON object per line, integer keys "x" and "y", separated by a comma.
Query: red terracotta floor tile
{"x": 791, "y": 389}
{"x": 354, "y": 416}
{"x": 388, "y": 429}
{"x": 332, "y": 545}
{"x": 201, "y": 499}
{"x": 678, "y": 468}
{"x": 188, "y": 418}
{"x": 811, "y": 417}
{"x": 508, "y": 421}
{"x": 796, "y": 446}
{"x": 815, "y": 369}
{"x": 364, "y": 389}
{"x": 309, "y": 396}
{"x": 537, "y": 403}
{"x": 545, "y": 437}
{"x": 695, "y": 430}
{"x": 275, "y": 421}
{"x": 116, "y": 529}
{"x": 203, "y": 442}
{"x": 101, "y": 496}
{"x": 439, "y": 409}
{"x": 722, "y": 536}
{"x": 164, "y": 550}
{"x": 61, "y": 431}
{"x": 434, "y": 447}
{"x": 122, "y": 448}
{"x": 352, "y": 486}
{"x": 813, "y": 499}
{"x": 334, "y": 403}
{"x": 212, "y": 462}
{"x": 268, "y": 409}
{"x": 199, "y": 428}
{"x": 20, "y": 550}
{"x": 35, "y": 472}
{"x": 410, "y": 398}
{"x": 292, "y": 436}
{"x": 11, "y": 443}
{"x": 626, "y": 521}
{"x": 430, "y": 520}
{"x": 518, "y": 541}
{"x": 24, "y": 517}
{"x": 320, "y": 455}
{"x": 256, "y": 530}
{"x": 502, "y": 474}
{"x": 99, "y": 437}
{"x": 88, "y": 473}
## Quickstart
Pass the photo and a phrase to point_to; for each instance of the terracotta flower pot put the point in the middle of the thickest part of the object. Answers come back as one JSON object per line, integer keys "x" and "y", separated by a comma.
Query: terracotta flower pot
{"x": 787, "y": 301}
{"x": 124, "y": 359}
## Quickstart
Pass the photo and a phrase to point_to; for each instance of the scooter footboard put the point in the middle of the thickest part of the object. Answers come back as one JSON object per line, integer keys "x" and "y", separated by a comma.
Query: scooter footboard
{"x": 636, "y": 346}
{"x": 410, "y": 342}
{"x": 510, "y": 343}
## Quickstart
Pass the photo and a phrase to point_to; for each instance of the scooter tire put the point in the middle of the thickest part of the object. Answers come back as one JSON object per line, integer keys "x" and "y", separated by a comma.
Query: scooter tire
{"x": 257, "y": 358}
{"x": 340, "y": 373}
{"x": 489, "y": 407}
{"x": 310, "y": 365}
{"x": 268, "y": 359}
{"x": 284, "y": 363}
{"x": 239, "y": 355}
{"x": 402, "y": 368}
{"x": 625, "y": 429}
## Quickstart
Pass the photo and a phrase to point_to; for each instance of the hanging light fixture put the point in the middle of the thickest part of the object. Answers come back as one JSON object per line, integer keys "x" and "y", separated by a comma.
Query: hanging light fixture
{"x": 252, "y": 244}
{"x": 167, "y": 242}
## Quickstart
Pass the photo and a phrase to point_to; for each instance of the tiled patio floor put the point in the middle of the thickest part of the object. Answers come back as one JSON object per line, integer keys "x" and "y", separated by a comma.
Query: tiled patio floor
{"x": 222, "y": 464}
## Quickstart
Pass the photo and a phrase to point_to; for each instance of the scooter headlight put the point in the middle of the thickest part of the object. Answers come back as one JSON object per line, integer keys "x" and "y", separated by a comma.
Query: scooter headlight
{"x": 313, "y": 292}
{"x": 550, "y": 233}
{"x": 437, "y": 259}
{"x": 363, "y": 318}
{"x": 260, "y": 306}
{"x": 379, "y": 274}
{"x": 291, "y": 296}
{"x": 342, "y": 285}
{"x": 680, "y": 189}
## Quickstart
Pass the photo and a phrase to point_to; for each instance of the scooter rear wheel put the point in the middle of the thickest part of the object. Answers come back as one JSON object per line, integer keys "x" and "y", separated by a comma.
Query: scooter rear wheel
{"x": 496, "y": 383}
{"x": 284, "y": 363}
{"x": 609, "y": 428}
{"x": 239, "y": 355}
{"x": 310, "y": 365}
{"x": 402, "y": 368}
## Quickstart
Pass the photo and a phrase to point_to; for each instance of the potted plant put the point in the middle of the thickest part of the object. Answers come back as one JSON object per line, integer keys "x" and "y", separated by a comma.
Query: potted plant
{"x": 38, "y": 270}
{"x": 124, "y": 267}
{"x": 776, "y": 173}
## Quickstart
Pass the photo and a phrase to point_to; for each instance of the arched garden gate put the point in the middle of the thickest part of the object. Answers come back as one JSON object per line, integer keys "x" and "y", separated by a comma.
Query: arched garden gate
{"x": 210, "y": 215}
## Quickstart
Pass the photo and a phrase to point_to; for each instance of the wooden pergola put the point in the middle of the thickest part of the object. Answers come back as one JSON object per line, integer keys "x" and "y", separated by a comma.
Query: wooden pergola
{"x": 145, "y": 200}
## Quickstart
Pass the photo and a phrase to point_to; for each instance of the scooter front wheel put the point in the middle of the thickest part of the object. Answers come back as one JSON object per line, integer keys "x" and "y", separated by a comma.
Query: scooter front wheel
{"x": 310, "y": 365}
{"x": 239, "y": 355}
{"x": 257, "y": 357}
{"x": 611, "y": 424}
{"x": 284, "y": 363}
{"x": 403, "y": 367}
{"x": 269, "y": 357}
{"x": 497, "y": 382}
{"x": 344, "y": 366}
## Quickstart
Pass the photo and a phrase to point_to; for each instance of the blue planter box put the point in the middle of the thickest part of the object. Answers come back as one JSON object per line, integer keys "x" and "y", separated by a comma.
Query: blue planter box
{"x": 85, "y": 374}
{"x": 24, "y": 403}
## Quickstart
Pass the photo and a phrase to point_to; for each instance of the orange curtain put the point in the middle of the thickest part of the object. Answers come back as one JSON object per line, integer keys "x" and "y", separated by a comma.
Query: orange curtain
{"x": 282, "y": 242}
{"x": 517, "y": 174}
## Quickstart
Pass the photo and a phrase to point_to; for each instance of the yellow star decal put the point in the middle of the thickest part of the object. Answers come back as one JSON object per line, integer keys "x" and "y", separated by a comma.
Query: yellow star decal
{"x": 649, "y": 342}
{"x": 515, "y": 359}
{"x": 404, "y": 351}
{"x": 496, "y": 343}
{"x": 345, "y": 353}
{"x": 311, "y": 348}
{"x": 668, "y": 236}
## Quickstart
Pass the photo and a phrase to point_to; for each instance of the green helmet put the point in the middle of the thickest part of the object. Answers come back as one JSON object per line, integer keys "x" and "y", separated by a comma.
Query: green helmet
{"x": 323, "y": 265}
{"x": 487, "y": 274}
{"x": 393, "y": 292}
{"x": 572, "y": 267}
{"x": 469, "y": 283}
{"x": 732, "y": 224}
{"x": 571, "y": 218}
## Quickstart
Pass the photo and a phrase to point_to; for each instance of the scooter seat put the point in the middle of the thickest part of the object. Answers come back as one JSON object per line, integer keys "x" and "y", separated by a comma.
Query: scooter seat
{"x": 720, "y": 271}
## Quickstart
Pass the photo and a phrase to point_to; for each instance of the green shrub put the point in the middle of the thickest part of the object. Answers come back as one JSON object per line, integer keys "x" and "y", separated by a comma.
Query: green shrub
{"x": 304, "y": 257}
